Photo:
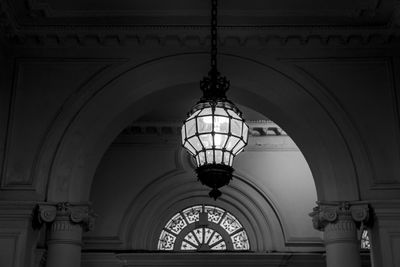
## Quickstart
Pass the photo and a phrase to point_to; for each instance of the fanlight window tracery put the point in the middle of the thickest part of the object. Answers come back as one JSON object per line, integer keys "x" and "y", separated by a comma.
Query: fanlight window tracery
{"x": 203, "y": 228}
{"x": 365, "y": 243}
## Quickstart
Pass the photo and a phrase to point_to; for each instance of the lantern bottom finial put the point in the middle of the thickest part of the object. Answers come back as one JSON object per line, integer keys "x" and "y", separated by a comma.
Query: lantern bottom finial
{"x": 214, "y": 176}
{"x": 215, "y": 193}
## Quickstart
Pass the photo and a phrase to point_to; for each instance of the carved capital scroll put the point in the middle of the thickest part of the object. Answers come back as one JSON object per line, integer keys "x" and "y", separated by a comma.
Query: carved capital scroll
{"x": 334, "y": 212}
{"x": 75, "y": 213}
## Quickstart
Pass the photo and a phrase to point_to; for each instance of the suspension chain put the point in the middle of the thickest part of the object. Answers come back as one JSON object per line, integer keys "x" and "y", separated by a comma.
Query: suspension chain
{"x": 214, "y": 41}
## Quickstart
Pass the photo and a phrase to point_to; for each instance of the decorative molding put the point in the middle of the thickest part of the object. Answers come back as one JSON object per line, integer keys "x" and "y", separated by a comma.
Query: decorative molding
{"x": 65, "y": 216}
{"x": 361, "y": 8}
{"x": 140, "y": 258}
{"x": 327, "y": 214}
{"x": 386, "y": 209}
{"x": 195, "y": 37}
{"x": 340, "y": 220}
{"x": 263, "y": 136}
{"x": 101, "y": 242}
{"x": 259, "y": 34}
{"x": 256, "y": 128}
{"x": 226, "y": 259}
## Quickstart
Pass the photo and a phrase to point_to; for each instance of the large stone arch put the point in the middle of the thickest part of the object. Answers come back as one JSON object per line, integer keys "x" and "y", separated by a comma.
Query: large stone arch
{"x": 122, "y": 96}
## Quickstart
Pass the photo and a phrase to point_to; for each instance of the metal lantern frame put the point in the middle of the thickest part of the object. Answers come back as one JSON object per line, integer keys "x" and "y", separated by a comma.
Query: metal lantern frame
{"x": 214, "y": 131}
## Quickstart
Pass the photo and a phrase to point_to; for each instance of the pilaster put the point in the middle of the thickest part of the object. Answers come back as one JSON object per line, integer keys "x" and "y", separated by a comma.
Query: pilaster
{"x": 18, "y": 239}
{"x": 385, "y": 233}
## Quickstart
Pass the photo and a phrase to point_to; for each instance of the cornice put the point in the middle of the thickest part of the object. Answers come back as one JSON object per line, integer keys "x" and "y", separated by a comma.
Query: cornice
{"x": 256, "y": 128}
{"x": 263, "y": 136}
{"x": 197, "y": 35}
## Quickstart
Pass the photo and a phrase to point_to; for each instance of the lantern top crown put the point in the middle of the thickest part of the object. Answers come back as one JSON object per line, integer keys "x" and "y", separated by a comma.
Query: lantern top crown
{"x": 214, "y": 86}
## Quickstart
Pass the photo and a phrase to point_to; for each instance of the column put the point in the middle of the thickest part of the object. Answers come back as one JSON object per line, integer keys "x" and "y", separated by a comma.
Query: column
{"x": 340, "y": 221}
{"x": 66, "y": 222}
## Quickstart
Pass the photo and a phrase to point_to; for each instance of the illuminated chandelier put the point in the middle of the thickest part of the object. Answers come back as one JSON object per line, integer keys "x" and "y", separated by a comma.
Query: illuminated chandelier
{"x": 214, "y": 131}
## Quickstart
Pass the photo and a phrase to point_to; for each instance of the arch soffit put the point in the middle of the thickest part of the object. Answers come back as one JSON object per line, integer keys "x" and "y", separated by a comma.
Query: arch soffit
{"x": 267, "y": 90}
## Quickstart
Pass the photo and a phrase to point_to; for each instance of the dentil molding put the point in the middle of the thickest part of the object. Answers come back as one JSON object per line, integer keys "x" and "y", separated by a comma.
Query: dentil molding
{"x": 195, "y": 35}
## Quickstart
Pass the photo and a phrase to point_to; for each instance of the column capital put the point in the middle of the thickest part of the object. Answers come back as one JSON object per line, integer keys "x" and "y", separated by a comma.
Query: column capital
{"x": 332, "y": 212}
{"x": 76, "y": 213}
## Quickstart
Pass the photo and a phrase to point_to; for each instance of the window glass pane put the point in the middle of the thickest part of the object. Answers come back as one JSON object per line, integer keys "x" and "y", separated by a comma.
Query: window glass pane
{"x": 204, "y": 124}
{"x": 230, "y": 223}
{"x": 199, "y": 234}
{"x": 195, "y": 143}
{"x": 236, "y": 127}
{"x": 214, "y": 214}
{"x": 231, "y": 142}
{"x": 194, "y": 114}
{"x": 220, "y": 111}
{"x": 187, "y": 246}
{"x": 219, "y": 140}
{"x": 215, "y": 238}
{"x": 176, "y": 224}
{"x": 206, "y": 111}
{"x": 226, "y": 158}
{"x": 192, "y": 214}
{"x": 221, "y": 124}
{"x": 231, "y": 160}
{"x": 207, "y": 234}
{"x": 203, "y": 235}
{"x": 240, "y": 151}
{"x": 240, "y": 241}
{"x": 189, "y": 147}
{"x": 365, "y": 244}
{"x": 245, "y": 132}
{"x": 166, "y": 241}
{"x": 210, "y": 156}
{"x": 219, "y": 246}
{"x": 190, "y": 128}
{"x": 233, "y": 114}
{"x": 202, "y": 158}
{"x": 206, "y": 140}
{"x": 238, "y": 147}
{"x": 190, "y": 238}
{"x": 218, "y": 156}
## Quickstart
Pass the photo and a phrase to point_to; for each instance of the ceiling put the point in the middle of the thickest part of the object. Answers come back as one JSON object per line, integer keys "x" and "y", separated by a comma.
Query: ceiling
{"x": 196, "y": 12}
{"x": 119, "y": 20}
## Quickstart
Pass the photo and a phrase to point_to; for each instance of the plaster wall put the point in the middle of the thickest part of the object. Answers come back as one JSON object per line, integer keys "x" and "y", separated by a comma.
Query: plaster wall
{"x": 358, "y": 88}
{"x": 130, "y": 172}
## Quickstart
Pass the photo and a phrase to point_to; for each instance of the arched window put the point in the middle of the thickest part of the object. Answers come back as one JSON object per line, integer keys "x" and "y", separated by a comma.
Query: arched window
{"x": 203, "y": 228}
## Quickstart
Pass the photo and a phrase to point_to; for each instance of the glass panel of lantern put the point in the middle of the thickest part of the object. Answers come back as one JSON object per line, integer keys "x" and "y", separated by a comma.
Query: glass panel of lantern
{"x": 214, "y": 135}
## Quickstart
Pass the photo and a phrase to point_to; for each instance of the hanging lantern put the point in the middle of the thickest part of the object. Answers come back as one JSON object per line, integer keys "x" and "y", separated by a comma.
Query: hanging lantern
{"x": 214, "y": 131}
